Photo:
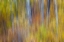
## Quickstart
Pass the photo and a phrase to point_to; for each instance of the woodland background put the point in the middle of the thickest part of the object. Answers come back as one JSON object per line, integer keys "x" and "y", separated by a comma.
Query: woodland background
{"x": 31, "y": 20}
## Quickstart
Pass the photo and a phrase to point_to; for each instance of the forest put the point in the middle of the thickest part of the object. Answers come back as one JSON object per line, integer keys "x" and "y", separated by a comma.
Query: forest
{"x": 31, "y": 20}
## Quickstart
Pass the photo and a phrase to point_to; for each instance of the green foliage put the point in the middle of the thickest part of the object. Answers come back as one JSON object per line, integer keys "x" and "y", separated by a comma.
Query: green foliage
{"x": 41, "y": 33}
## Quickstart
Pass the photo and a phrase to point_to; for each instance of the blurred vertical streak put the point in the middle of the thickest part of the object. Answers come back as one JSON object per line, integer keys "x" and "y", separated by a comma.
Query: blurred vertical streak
{"x": 56, "y": 14}
{"x": 4, "y": 29}
{"x": 16, "y": 8}
{"x": 12, "y": 17}
{"x": 17, "y": 20}
{"x": 28, "y": 10}
{"x": 48, "y": 12}
{"x": 18, "y": 28}
{"x": 4, "y": 23}
{"x": 42, "y": 9}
